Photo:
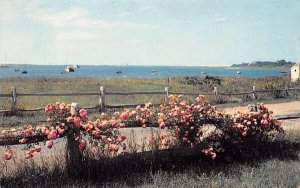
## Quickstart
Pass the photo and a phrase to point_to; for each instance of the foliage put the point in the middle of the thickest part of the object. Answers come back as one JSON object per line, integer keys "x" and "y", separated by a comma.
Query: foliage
{"x": 267, "y": 64}
{"x": 197, "y": 125}
{"x": 75, "y": 124}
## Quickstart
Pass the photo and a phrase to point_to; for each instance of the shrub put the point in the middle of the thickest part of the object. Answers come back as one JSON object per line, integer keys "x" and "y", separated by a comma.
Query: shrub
{"x": 196, "y": 125}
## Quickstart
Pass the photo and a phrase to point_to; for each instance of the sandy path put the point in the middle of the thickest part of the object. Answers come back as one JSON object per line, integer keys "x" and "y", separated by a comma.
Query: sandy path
{"x": 279, "y": 109}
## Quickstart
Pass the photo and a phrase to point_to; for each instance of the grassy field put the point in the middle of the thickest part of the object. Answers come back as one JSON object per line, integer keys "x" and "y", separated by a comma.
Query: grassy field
{"x": 277, "y": 165}
{"x": 200, "y": 84}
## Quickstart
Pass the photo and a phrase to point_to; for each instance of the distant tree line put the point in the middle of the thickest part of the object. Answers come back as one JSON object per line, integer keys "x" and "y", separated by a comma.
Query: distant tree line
{"x": 278, "y": 63}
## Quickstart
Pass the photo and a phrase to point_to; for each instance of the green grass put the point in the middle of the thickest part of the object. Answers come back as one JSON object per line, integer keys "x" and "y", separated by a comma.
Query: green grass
{"x": 278, "y": 166}
{"x": 200, "y": 84}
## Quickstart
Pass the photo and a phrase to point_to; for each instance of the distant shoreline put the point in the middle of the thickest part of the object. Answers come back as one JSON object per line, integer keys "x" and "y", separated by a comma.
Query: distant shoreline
{"x": 201, "y": 66}
{"x": 143, "y": 71}
{"x": 258, "y": 67}
{"x": 279, "y": 64}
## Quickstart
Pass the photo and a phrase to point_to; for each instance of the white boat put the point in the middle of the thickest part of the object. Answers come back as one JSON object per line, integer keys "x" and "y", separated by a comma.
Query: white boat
{"x": 69, "y": 69}
{"x": 238, "y": 72}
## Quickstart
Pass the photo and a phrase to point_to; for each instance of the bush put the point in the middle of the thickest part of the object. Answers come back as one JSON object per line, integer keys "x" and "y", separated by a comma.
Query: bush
{"x": 196, "y": 125}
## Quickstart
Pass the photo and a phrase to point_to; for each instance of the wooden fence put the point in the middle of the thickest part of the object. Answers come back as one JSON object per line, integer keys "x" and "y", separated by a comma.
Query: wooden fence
{"x": 102, "y": 93}
{"x": 73, "y": 155}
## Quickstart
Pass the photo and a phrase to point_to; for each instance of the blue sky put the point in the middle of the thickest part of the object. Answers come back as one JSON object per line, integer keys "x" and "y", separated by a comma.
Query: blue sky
{"x": 149, "y": 32}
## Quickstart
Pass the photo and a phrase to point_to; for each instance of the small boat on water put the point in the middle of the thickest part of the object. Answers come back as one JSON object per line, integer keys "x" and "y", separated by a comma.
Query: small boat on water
{"x": 24, "y": 72}
{"x": 153, "y": 71}
{"x": 69, "y": 69}
{"x": 4, "y": 66}
{"x": 238, "y": 72}
{"x": 119, "y": 72}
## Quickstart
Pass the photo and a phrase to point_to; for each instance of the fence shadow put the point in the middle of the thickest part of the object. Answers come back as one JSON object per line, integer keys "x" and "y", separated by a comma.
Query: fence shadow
{"x": 127, "y": 167}
{"x": 134, "y": 168}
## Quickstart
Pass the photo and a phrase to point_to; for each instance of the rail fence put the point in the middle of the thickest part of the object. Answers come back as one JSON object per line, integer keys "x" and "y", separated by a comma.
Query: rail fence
{"x": 74, "y": 155}
{"x": 102, "y": 93}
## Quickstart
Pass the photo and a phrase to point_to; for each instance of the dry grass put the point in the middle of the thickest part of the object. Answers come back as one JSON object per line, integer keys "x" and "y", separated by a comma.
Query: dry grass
{"x": 275, "y": 168}
{"x": 200, "y": 84}
{"x": 278, "y": 167}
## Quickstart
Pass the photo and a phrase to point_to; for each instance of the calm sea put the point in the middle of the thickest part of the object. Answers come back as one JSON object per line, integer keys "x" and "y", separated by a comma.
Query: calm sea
{"x": 102, "y": 71}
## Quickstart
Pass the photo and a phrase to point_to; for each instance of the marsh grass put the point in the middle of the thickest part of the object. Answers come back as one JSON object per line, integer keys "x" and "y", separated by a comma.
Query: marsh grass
{"x": 198, "y": 84}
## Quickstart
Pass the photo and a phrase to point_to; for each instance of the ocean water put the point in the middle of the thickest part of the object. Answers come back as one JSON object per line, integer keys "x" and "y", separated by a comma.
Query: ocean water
{"x": 103, "y": 71}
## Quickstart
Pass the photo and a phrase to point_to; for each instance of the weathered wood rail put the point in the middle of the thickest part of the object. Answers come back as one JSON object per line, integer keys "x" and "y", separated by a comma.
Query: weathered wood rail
{"x": 102, "y": 93}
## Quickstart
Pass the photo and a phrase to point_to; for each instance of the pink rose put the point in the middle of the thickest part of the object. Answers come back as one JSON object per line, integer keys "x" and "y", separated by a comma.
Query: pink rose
{"x": 49, "y": 144}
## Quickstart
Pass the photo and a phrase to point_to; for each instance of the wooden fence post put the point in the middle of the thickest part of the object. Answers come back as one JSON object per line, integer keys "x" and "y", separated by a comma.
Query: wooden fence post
{"x": 286, "y": 87}
{"x": 14, "y": 99}
{"x": 74, "y": 108}
{"x": 167, "y": 95}
{"x": 102, "y": 97}
{"x": 254, "y": 95}
{"x": 73, "y": 155}
{"x": 216, "y": 92}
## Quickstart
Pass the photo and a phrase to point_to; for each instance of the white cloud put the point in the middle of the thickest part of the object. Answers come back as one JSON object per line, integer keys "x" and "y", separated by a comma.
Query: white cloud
{"x": 75, "y": 36}
{"x": 79, "y": 18}
{"x": 219, "y": 18}
{"x": 125, "y": 14}
{"x": 144, "y": 8}
{"x": 14, "y": 9}
{"x": 60, "y": 19}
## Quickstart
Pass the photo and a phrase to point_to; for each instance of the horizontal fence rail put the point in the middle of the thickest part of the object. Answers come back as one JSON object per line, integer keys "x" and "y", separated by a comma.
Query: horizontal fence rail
{"x": 58, "y": 94}
{"x": 8, "y": 137}
{"x": 102, "y": 93}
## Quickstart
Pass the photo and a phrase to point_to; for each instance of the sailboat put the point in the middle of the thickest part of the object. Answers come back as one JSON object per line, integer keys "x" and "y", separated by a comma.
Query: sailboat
{"x": 4, "y": 65}
{"x": 18, "y": 69}
{"x": 70, "y": 68}
{"x": 24, "y": 71}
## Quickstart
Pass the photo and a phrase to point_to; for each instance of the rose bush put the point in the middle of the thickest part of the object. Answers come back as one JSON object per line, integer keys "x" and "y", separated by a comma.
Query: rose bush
{"x": 103, "y": 131}
{"x": 196, "y": 125}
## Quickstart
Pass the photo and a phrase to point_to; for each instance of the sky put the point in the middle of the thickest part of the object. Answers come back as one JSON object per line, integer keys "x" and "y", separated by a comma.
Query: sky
{"x": 149, "y": 32}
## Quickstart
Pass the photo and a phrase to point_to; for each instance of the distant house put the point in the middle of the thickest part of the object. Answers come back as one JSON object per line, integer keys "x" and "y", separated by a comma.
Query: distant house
{"x": 295, "y": 72}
